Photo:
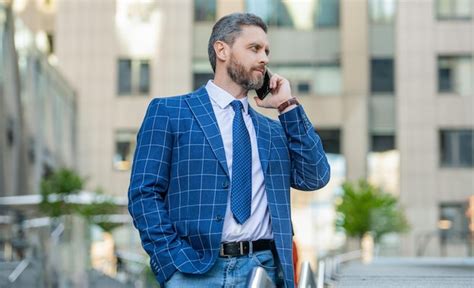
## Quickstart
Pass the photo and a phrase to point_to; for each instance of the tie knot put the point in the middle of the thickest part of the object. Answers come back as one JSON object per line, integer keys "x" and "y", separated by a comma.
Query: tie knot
{"x": 237, "y": 105}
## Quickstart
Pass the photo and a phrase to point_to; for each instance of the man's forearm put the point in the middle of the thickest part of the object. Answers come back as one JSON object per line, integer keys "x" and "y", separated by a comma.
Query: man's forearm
{"x": 310, "y": 169}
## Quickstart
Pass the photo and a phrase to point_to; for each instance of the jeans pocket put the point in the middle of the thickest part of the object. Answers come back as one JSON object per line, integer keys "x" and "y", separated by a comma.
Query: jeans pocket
{"x": 265, "y": 260}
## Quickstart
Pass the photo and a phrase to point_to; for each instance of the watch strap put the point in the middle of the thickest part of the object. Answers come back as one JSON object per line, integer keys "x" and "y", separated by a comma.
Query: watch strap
{"x": 287, "y": 103}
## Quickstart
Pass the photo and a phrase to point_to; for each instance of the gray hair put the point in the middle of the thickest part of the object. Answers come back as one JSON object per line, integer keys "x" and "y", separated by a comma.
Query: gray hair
{"x": 228, "y": 28}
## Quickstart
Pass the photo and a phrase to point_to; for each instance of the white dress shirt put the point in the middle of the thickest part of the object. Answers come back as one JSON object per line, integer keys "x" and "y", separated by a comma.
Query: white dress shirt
{"x": 258, "y": 226}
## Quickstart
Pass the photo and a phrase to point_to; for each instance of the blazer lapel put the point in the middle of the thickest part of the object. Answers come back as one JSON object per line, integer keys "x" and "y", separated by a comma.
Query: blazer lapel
{"x": 262, "y": 130}
{"x": 201, "y": 107}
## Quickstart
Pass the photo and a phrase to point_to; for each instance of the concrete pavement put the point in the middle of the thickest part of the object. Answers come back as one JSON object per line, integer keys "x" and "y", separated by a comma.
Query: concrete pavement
{"x": 408, "y": 272}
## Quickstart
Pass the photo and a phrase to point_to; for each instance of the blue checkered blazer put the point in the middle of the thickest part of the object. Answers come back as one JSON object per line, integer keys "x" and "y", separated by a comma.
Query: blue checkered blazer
{"x": 180, "y": 181}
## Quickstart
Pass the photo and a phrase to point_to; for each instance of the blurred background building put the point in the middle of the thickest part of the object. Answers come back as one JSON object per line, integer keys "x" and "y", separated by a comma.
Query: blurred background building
{"x": 38, "y": 135}
{"x": 388, "y": 85}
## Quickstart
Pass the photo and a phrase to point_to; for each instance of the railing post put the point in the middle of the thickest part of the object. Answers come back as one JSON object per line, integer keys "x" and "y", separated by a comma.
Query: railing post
{"x": 258, "y": 278}
{"x": 306, "y": 276}
{"x": 18, "y": 270}
{"x": 321, "y": 269}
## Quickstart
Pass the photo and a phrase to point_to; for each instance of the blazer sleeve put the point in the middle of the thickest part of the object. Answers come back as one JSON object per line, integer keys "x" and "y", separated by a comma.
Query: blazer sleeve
{"x": 149, "y": 185}
{"x": 309, "y": 166}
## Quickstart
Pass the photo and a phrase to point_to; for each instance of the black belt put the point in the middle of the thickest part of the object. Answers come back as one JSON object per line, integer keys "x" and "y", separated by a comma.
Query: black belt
{"x": 235, "y": 249}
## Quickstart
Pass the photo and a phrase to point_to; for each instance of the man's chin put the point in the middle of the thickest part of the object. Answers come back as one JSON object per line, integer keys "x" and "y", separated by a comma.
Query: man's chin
{"x": 258, "y": 82}
{"x": 255, "y": 85}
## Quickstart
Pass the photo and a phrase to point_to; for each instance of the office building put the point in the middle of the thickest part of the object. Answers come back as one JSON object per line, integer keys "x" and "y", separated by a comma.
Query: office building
{"x": 387, "y": 84}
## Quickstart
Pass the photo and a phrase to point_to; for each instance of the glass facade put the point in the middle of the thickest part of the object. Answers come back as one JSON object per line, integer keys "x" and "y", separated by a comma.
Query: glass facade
{"x": 303, "y": 15}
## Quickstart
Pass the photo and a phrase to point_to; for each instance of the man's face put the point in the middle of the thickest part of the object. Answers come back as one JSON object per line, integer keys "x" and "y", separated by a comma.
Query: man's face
{"x": 249, "y": 57}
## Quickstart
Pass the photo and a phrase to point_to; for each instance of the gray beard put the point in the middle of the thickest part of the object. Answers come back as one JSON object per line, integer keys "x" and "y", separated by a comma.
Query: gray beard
{"x": 237, "y": 73}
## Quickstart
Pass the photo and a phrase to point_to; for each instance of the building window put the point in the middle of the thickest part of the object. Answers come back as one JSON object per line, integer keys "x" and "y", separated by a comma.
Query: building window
{"x": 453, "y": 223}
{"x": 302, "y": 15}
{"x": 382, "y": 76}
{"x": 454, "y": 9}
{"x": 10, "y": 131}
{"x": 320, "y": 79}
{"x": 202, "y": 72}
{"x": 133, "y": 77}
{"x": 31, "y": 150}
{"x": 457, "y": 148}
{"x": 303, "y": 88}
{"x": 382, "y": 11}
{"x": 331, "y": 140}
{"x": 50, "y": 38}
{"x": 382, "y": 143}
{"x": 328, "y": 13}
{"x": 455, "y": 74}
{"x": 47, "y": 5}
{"x": 328, "y": 79}
{"x": 204, "y": 10}
{"x": 273, "y": 12}
{"x": 201, "y": 78}
{"x": 125, "y": 142}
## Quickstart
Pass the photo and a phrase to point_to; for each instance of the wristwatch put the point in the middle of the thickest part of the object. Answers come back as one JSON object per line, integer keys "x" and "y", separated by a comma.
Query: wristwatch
{"x": 287, "y": 103}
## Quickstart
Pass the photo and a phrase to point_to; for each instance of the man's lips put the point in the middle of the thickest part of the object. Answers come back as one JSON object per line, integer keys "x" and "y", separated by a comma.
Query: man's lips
{"x": 260, "y": 70}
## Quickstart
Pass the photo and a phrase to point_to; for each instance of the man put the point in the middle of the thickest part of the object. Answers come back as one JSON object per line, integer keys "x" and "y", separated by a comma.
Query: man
{"x": 210, "y": 184}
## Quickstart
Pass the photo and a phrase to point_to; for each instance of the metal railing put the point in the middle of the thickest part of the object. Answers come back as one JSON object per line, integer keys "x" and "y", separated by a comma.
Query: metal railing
{"x": 334, "y": 263}
{"x": 306, "y": 279}
{"x": 258, "y": 278}
{"x": 328, "y": 269}
{"x": 20, "y": 268}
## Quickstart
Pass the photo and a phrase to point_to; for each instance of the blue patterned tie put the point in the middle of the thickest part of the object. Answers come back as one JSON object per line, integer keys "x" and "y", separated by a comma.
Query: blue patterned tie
{"x": 241, "y": 193}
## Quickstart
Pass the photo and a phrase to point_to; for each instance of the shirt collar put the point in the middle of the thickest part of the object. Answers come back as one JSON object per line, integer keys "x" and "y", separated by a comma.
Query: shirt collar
{"x": 223, "y": 98}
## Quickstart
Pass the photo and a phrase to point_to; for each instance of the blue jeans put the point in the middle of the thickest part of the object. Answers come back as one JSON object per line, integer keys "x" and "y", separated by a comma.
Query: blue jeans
{"x": 227, "y": 272}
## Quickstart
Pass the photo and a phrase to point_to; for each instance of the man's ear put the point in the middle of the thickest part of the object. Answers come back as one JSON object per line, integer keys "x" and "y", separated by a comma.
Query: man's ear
{"x": 222, "y": 50}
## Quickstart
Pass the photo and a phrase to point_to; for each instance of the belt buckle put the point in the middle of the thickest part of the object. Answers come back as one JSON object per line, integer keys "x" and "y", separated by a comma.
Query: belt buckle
{"x": 241, "y": 248}
{"x": 221, "y": 252}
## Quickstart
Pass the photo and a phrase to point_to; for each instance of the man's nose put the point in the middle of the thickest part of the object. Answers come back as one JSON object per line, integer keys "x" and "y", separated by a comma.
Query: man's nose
{"x": 264, "y": 58}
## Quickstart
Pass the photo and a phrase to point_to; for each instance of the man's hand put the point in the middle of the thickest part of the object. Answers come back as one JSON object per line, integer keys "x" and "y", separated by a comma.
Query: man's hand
{"x": 280, "y": 92}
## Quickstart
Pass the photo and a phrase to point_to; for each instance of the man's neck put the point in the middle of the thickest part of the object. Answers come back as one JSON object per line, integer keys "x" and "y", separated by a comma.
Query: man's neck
{"x": 230, "y": 86}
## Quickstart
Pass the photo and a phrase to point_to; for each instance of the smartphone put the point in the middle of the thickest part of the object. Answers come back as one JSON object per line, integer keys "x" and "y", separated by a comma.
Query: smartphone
{"x": 263, "y": 91}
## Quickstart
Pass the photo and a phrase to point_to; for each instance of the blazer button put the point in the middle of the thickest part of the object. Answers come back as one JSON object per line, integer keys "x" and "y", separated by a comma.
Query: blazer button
{"x": 219, "y": 218}
{"x": 225, "y": 184}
